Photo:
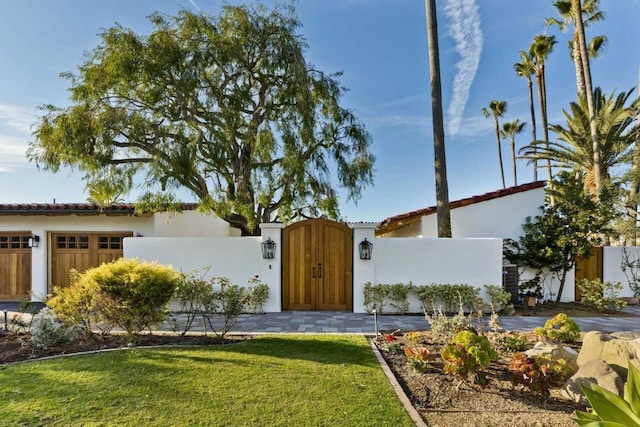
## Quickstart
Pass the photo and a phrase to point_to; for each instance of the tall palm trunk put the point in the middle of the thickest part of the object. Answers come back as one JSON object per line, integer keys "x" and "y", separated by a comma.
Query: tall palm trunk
{"x": 513, "y": 159}
{"x": 442, "y": 187}
{"x": 533, "y": 125}
{"x": 497, "y": 125}
{"x": 577, "y": 61}
{"x": 597, "y": 159}
{"x": 543, "y": 113}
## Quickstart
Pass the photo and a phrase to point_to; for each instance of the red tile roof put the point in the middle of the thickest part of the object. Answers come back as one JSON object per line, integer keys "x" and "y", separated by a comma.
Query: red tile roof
{"x": 72, "y": 208}
{"x": 395, "y": 222}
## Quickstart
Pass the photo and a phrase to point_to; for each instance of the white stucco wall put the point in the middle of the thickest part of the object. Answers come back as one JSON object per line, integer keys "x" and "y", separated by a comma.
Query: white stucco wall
{"x": 501, "y": 217}
{"x": 475, "y": 262}
{"x": 187, "y": 224}
{"x": 611, "y": 266}
{"x": 191, "y": 224}
{"x": 237, "y": 258}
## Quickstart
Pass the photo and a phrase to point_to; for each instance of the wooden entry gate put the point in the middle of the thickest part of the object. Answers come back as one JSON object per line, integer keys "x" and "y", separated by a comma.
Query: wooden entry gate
{"x": 317, "y": 266}
{"x": 588, "y": 268}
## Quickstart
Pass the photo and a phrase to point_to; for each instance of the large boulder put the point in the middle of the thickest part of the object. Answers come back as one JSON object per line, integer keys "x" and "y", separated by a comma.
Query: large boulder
{"x": 615, "y": 349}
{"x": 555, "y": 352}
{"x": 594, "y": 371}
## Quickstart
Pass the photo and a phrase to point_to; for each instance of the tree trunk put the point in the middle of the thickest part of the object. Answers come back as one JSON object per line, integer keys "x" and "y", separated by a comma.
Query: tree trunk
{"x": 542, "y": 114}
{"x": 442, "y": 187}
{"x": 545, "y": 123}
{"x": 504, "y": 185}
{"x": 597, "y": 158}
{"x": 533, "y": 126}
{"x": 561, "y": 287}
{"x": 577, "y": 61}
{"x": 513, "y": 158}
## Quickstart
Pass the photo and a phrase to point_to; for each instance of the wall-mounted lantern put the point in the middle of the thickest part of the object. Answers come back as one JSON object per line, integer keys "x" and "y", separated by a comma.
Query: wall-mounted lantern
{"x": 34, "y": 241}
{"x": 366, "y": 247}
{"x": 268, "y": 249}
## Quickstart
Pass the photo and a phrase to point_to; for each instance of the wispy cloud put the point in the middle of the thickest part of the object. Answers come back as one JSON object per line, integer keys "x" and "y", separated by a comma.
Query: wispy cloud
{"x": 464, "y": 28}
{"x": 17, "y": 117}
{"x": 195, "y": 5}
{"x": 12, "y": 152}
{"x": 15, "y": 130}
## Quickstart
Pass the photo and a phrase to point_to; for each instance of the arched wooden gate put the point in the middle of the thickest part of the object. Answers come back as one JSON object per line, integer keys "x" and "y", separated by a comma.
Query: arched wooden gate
{"x": 317, "y": 266}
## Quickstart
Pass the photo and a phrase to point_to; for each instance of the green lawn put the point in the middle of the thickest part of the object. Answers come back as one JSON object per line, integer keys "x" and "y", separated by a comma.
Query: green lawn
{"x": 314, "y": 380}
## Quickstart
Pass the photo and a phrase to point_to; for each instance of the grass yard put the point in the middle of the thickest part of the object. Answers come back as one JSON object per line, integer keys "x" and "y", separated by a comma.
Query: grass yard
{"x": 310, "y": 380}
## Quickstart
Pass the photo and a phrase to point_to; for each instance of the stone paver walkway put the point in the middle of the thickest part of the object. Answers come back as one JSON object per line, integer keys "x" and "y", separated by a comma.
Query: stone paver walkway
{"x": 353, "y": 323}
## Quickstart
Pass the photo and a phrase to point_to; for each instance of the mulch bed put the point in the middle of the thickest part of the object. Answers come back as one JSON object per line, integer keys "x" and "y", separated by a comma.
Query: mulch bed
{"x": 441, "y": 403}
{"x": 18, "y": 347}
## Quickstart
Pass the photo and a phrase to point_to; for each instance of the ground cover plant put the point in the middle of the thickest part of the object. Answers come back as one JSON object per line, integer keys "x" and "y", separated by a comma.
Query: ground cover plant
{"x": 283, "y": 380}
{"x": 502, "y": 396}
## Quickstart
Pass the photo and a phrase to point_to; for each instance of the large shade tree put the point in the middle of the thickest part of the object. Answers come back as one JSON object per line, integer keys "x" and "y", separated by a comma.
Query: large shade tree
{"x": 224, "y": 106}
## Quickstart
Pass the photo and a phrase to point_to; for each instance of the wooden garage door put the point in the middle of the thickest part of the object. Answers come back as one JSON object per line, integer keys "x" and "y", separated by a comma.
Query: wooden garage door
{"x": 317, "y": 266}
{"x": 81, "y": 251}
{"x": 15, "y": 266}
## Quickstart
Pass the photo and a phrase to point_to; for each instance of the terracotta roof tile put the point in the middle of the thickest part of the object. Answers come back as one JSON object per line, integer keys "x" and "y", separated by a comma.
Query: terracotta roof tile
{"x": 72, "y": 208}
{"x": 398, "y": 221}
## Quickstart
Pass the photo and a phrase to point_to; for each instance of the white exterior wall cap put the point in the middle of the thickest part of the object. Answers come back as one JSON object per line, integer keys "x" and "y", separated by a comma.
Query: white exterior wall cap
{"x": 271, "y": 225}
{"x": 363, "y": 225}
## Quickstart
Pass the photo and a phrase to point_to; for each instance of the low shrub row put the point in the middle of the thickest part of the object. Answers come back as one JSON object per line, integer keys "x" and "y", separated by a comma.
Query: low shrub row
{"x": 134, "y": 296}
{"x": 444, "y": 297}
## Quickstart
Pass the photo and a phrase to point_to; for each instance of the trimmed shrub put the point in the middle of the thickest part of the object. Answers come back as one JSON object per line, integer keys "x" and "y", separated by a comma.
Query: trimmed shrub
{"x": 128, "y": 293}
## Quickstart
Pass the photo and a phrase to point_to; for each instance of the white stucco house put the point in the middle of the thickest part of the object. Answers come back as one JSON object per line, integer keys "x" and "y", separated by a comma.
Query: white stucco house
{"x": 499, "y": 213}
{"x": 39, "y": 243}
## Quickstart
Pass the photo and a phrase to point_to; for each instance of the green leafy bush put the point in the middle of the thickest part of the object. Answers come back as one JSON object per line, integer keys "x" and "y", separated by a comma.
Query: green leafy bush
{"x": 80, "y": 303}
{"x": 428, "y": 295}
{"x": 229, "y": 303}
{"x": 399, "y": 296}
{"x": 499, "y": 299}
{"x": 136, "y": 293}
{"x": 215, "y": 298}
{"x": 559, "y": 328}
{"x": 131, "y": 294}
{"x": 601, "y": 296}
{"x": 609, "y": 409}
{"x": 375, "y": 297}
{"x": 258, "y": 294}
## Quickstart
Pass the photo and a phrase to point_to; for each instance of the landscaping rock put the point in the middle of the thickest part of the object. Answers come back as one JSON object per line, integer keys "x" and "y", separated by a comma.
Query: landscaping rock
{"x": 615, "y": 349}
{"x": 555, "y": 352}
{"x": 594, "y": 371}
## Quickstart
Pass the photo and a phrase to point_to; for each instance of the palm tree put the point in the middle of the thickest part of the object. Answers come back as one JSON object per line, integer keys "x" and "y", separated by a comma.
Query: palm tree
{"x": 574, "y": 148}
{"x": 497, "y": 110}
{"x": 590, "y": 14}
{"x": 442, "y": 187}
{"x": 526, "y": 69}
{"x": 539, "y": 50}
{"x": 597, "y": 156}
{"x": 510, "y": 130}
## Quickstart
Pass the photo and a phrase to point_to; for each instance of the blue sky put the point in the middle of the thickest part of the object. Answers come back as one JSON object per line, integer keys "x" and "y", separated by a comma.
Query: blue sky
{"x": 381, "y": 47}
